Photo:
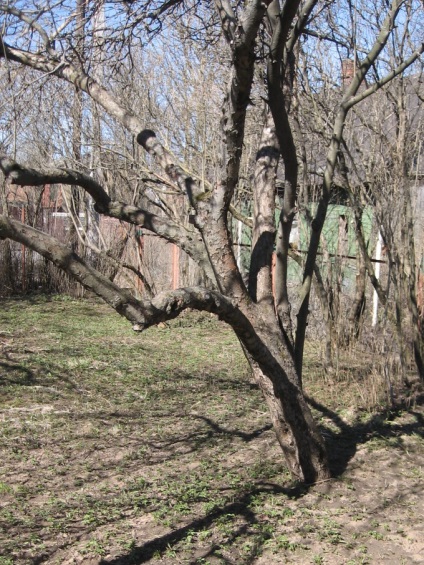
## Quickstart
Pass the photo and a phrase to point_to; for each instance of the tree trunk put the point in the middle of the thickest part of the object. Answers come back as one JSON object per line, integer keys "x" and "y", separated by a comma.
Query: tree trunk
{"x": 294, "y": 426}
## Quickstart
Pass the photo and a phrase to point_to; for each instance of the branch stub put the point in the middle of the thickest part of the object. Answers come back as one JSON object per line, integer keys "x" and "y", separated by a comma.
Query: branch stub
{"x": 144, "y": 136}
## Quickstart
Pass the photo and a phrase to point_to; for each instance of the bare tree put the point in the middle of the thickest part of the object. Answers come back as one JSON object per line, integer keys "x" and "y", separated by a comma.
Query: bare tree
{"x": 257, "y": 45}
{"x": 392, "y": 180}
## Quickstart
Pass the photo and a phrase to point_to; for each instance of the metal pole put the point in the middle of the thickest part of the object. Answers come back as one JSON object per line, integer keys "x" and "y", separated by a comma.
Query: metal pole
{"x": 175, "y": 266}
{"x": 377, "y": 276}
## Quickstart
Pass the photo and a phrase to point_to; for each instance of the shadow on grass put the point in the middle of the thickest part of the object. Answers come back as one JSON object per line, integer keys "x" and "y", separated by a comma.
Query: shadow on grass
{"x": 8, "y": 302}
{"x": 23, "y": 374}
{"x": 342, "y": 446}
{"x": 241, "y": 508}
{"x": 19, "y": 375}
{"x": 216, "y": 428}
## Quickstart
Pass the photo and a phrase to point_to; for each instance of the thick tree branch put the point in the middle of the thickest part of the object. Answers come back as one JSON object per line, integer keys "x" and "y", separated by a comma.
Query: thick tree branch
{"x": 379, "y": 44}
{"x": 228, "y": 19}
{"x": 283, "y": 130}
{"x": 299, "y": 26}
{"x": 287, "y": 17}
{"x": 143, "y": 314}
{"x": 62, "y": 68}
{"x": 263, "y": 233}
{"x": 64, "y": 258}
{"x": 212, "y": 215}
{"x": 173, "y": 232}
{"x": 147, "y": 139}
{"x": 238, "y": 93}
{"x": 26, "y": 176}
{"x": 170, "y": 304}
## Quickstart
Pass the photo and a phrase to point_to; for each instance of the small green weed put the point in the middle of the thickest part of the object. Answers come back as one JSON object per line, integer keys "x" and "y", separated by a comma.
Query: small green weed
{"x": 5, "y": 489}
{"x": 94, "y": 547}
{"x": 330, "y": 531}
{"x": 376, "y": 535}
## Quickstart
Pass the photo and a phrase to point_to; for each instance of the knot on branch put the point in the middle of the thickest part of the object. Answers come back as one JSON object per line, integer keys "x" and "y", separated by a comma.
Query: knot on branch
{"x": 144, "y": 136}
{"x": 100, "y": 208}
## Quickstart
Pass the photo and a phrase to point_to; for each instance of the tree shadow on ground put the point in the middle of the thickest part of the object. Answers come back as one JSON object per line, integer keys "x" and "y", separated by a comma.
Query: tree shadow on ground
{"x": 342, "y": 446}
{"x": 216, "y": 428}
{"x": 242, "y": 508}
{"x": 343, "y": 443}
{"x": 15, "y": 374}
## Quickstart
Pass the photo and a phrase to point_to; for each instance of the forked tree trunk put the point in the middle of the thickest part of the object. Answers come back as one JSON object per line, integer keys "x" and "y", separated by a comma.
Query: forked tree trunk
{"x": 255, "y": 325}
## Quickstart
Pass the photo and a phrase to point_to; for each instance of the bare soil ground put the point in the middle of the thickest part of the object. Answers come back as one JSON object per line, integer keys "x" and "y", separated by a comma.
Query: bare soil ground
{"x": 119, "y": 448}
